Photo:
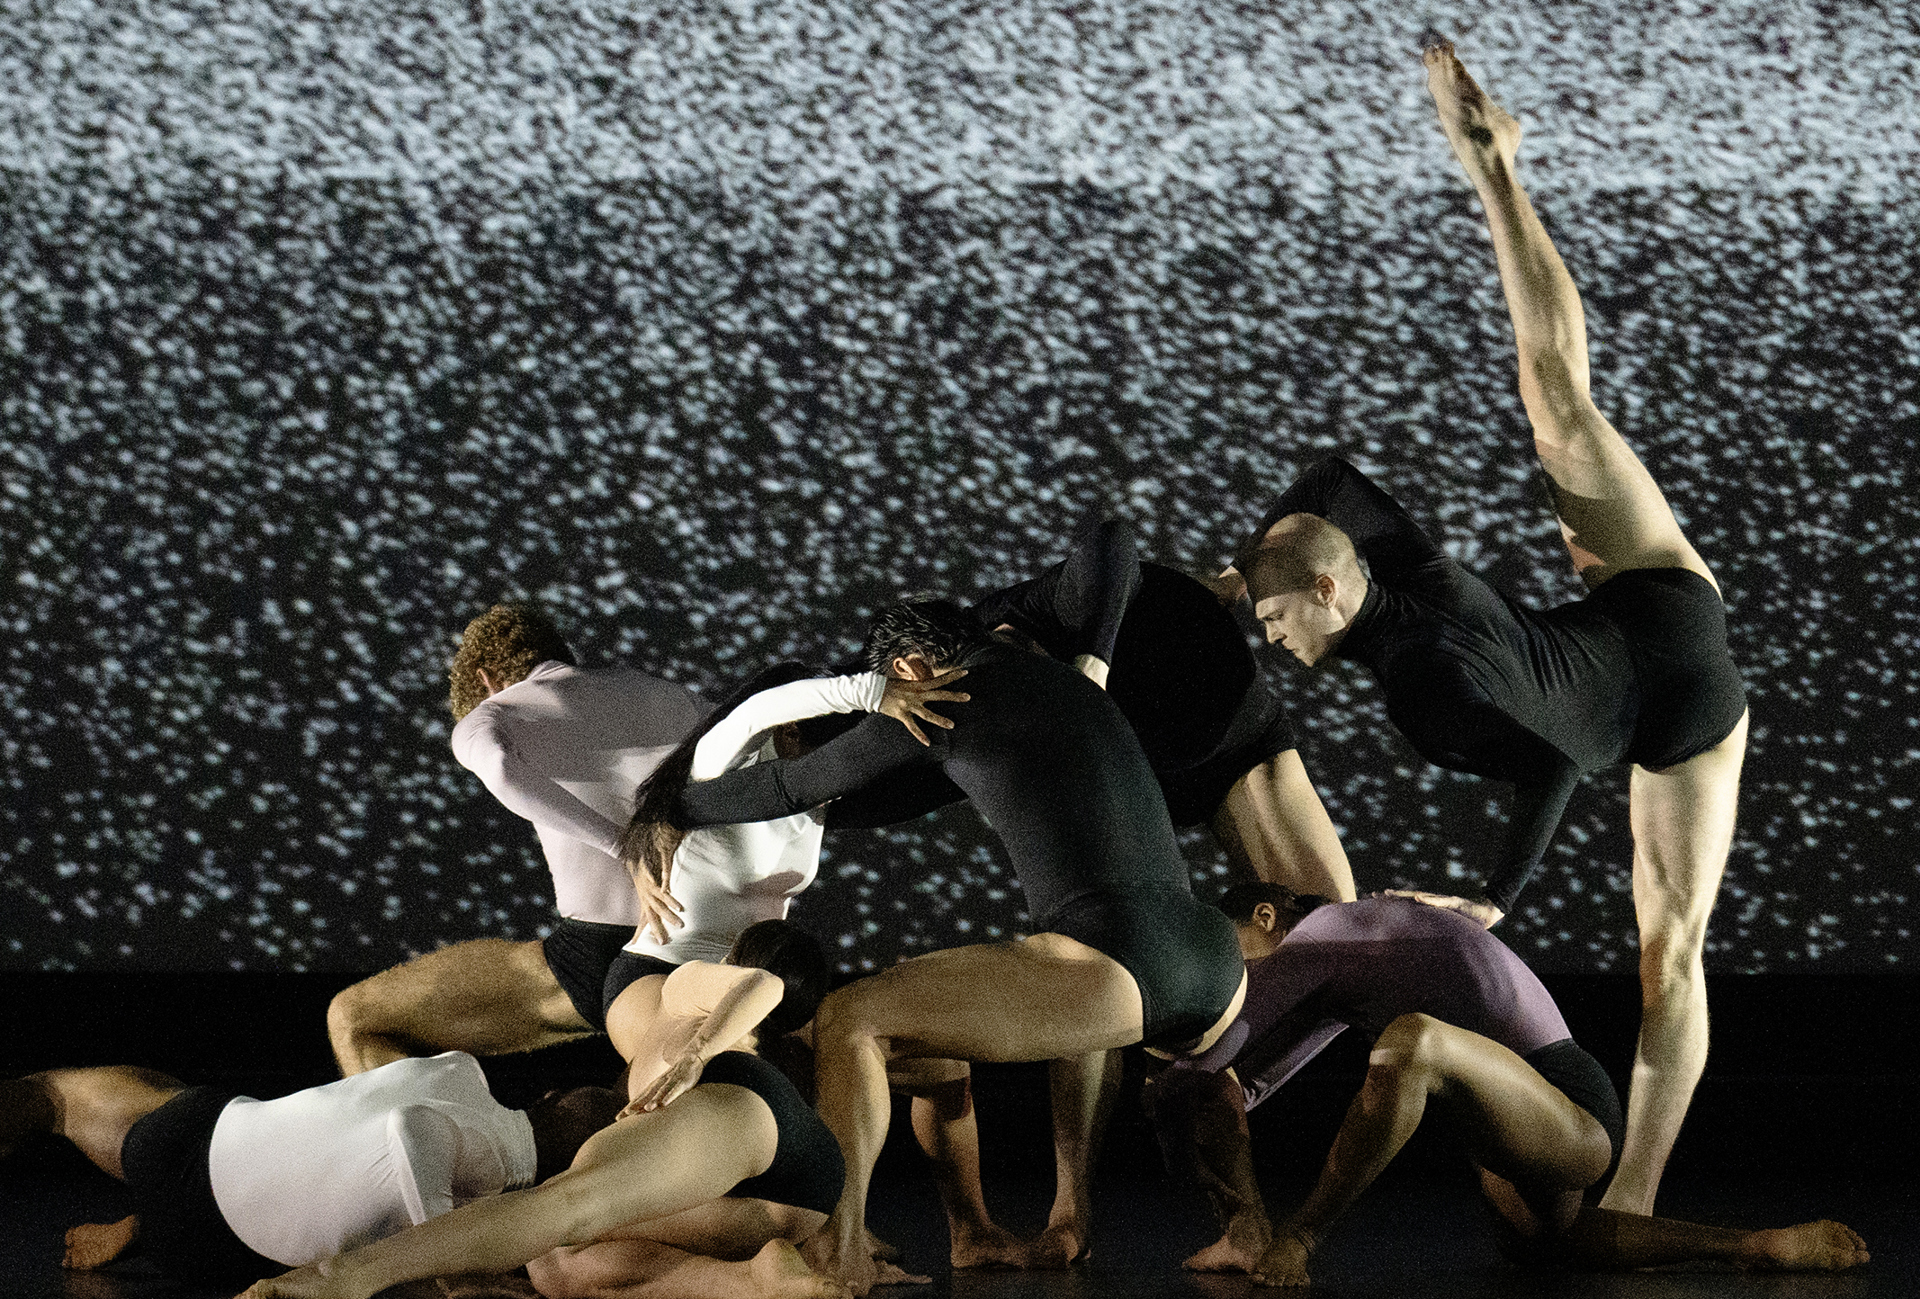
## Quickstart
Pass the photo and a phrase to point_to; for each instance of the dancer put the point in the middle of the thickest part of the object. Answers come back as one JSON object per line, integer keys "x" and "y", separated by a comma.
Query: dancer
{"x": 1166, "y": 646}
{"x": 563, "y": 747}
{"x": 1636, "y": 672}
{"x": 1123, "y": 953}
{"x": 227, "y": 1187}
{"x": 1454, "y": 1016}
{"x": 713, "y": 1170}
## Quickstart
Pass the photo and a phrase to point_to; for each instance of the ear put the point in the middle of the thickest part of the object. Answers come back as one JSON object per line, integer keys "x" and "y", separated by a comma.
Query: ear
{"x": 1325, "y": 589}
{"x": 910, "y": 667}
{"x": 1265, "y": 916}
{"x": 485, "y": 683}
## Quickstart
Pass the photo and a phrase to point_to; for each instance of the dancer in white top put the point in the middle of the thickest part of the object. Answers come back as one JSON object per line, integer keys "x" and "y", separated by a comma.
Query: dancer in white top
{"x": 565, "y": 748}
{"x": 226, "y": 1185}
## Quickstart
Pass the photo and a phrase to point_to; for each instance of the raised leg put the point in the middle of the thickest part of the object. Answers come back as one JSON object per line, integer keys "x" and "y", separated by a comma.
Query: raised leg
{"x": 1612, "y": 514}
{"x": 1683, "y": 821}
{"x": 485, "y": 997}
{"x": 1039, "y": 999}
{"x": 1273, "y": 825}
{"x": 1518, "y": 1125}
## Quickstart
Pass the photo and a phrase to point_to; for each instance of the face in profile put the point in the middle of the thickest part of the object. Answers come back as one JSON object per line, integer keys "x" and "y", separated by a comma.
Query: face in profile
{"x": 1301, "y": 622}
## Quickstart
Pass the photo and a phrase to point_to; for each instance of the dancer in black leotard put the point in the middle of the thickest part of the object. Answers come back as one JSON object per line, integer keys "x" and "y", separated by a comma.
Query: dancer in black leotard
{"x": 1635, "y": 673}
{"x": 1452, "y": 1012}
{"x": 1122, "y": 952}
{"x": 1172, "y": 655}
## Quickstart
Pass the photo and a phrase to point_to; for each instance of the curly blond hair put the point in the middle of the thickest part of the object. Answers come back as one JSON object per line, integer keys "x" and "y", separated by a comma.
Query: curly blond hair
{"x": 506, "y": 642}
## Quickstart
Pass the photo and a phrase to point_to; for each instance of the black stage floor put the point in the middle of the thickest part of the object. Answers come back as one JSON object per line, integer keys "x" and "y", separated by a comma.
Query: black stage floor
{"x": 1806, "y": 1112}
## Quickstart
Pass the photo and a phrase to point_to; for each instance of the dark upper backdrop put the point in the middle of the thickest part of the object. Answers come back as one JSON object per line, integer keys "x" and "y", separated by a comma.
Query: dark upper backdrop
{"x": 717, "y": 326}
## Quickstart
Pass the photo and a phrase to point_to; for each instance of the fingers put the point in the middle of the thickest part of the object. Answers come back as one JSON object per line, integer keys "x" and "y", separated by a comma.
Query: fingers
{"x": 915, "y": 731}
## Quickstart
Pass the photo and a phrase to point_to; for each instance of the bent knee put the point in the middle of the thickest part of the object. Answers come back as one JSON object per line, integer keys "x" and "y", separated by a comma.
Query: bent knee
{"x": 1410, "y": 1043}
{"x": 350, "y": 1011}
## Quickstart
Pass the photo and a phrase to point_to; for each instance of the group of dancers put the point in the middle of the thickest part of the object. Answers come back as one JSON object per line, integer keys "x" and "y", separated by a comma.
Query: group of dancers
{"x": 1086, "y": 713}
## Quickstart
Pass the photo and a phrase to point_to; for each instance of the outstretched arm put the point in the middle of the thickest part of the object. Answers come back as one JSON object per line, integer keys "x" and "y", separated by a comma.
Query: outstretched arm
{"x": 768, "y": 790}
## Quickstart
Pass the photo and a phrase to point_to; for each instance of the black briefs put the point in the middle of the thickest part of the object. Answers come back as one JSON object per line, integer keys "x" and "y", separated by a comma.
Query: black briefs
{"x": 1675, "y": 626}
{"x": 1183, "y": 954}
{"x": 1568, "y": 1066}
{"x": 579, "y": 952}
{"x": 808, "y": 1170}
{"x": 164, "y": 1159}
{"x": 627, "y": 969}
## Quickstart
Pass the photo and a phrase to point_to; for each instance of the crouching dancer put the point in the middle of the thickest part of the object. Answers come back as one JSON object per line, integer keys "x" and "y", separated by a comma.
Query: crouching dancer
{"x": 1457, "y": 1018}
{"x": 698, "y": 1190}
{"x": 1122, "y": 953}
{"x": 227, "y": 1187}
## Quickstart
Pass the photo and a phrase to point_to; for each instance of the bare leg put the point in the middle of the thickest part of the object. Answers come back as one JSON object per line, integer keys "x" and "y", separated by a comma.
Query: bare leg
{"x": 1682, "y": 830}
{"x": 1519, "y": 1126}
{"x": 1201, "y": 1122}
{"x": 1038, "y": 999}
{"x": 93, "y": 1108}
{"x": 1273, "y": 825}
{"x": 486, "y": 997}
{"x": 1602, "y": 1240}
{"x": 1611, "y": 512}
{"x": 1083, "y": 1088}
{"x": 646, "y": 1269}
{"x": 945, "y": 1124}
{"x": 646, "y": 1167}
{"x": 96, "y": 1244}
{"x": 1614, "y": 519}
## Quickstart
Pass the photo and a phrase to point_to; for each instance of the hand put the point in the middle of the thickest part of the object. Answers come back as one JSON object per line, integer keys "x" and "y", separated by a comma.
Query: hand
{"x": 658, "y": 907}
{"x": 906, "y": 700}
{"x": 1092, "y": 667}
{"x": 1485, "y": 914}
{"x": 677, "y": 1081}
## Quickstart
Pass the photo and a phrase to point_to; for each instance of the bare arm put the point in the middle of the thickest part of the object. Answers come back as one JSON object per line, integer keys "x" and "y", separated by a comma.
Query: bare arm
{"x": 704, "y": 1009}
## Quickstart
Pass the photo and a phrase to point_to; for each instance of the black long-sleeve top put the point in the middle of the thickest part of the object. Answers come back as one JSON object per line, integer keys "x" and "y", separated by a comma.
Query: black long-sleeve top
{"x": 1475, "y": 681}
{"x": 1179, "y": 665}
{"x": 1044, "y": 754}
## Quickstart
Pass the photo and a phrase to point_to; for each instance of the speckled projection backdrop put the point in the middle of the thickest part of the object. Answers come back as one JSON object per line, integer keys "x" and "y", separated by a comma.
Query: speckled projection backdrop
{"x": 718, "y": 324}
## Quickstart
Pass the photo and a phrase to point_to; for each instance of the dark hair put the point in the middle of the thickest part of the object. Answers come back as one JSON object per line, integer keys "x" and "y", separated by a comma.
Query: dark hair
{"x": 506, "y": 642}
{"x": 939, "y": 631}
{"x": 783, "y": 948}
{"x": 654, "y": 802}
{"x": 1240, "y": 900}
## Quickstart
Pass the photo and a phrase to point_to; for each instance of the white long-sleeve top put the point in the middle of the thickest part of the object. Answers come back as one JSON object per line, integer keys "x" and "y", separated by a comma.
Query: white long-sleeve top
{"x": 727, "y": 877}
{"x": 565, "y": 749}
{"x": 330, "y": 1168}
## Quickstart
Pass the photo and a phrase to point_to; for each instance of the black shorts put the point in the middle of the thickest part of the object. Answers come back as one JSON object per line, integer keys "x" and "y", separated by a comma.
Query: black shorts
{"x": 1675, "y": 626}
{"x": 808, "y": 1170}
{"x": 1183, "y": 955}
{"x": 164, "y": 1158}
{"x": 1568, "y": 1066}
{"x": 627, "y": 969}
{"x": 579, "y": 953}
{"x": 1259, "y": 734}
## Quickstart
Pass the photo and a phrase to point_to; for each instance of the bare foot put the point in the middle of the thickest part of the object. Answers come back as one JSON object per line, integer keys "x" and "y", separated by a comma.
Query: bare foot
{"x": 1053, "y": 1250}
{"x": 986, "y": 1246}
{"x": 1822, "y": 1246}
{"x": 859, "y": 1271}
{"x": 1240, "y": 1250}
{"x": 880, "y": 1249}
{"x": 778, "y": 1272}
{"x": 96, "y": 1244}
{"x": 309, "y": 1282}
{"x": 1482, "y": 133}
{"x": 1285, "y": 1262}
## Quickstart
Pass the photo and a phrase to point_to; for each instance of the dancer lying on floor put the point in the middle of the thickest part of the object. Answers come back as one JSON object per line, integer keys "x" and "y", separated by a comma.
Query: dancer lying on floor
{"x": 1636, "y": 672}
{"x": 227, "y": 1187}
{"x": 1456, "y": 1018}
{"x": 699, "y": 1189}
{"x": 1123, "y": 953}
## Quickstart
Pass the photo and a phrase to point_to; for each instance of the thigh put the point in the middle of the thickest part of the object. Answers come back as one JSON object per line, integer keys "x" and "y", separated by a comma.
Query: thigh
{"x": 1613, "y": 516}
{"x": 486, "y": 997}
{"x": 1036, "y": 999}
{"x": 96, "y": 1108}
{"x": 1683, "y": 821}
{"x": 1517, "y": 1124}
{"x": 1273, "y": 824}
